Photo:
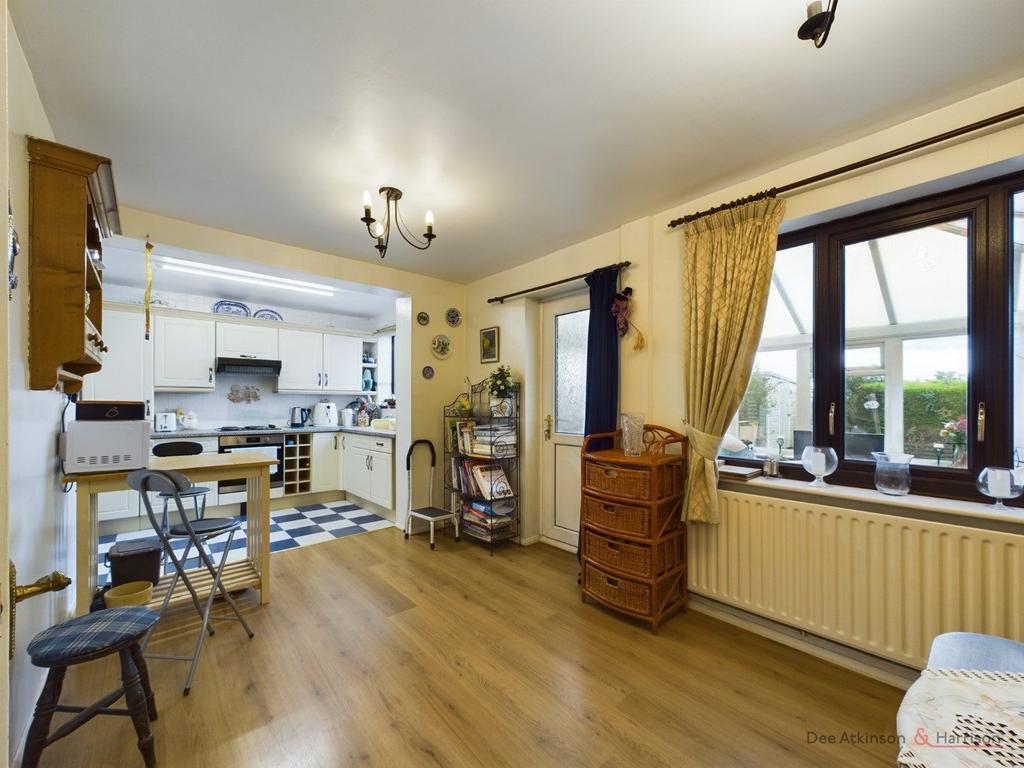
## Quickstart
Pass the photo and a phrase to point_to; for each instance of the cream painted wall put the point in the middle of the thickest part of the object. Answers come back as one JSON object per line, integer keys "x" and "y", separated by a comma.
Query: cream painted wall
{"x": 427, "y": 294}
{"x": 40, "y": 522}
{"x": 652, "y": 379}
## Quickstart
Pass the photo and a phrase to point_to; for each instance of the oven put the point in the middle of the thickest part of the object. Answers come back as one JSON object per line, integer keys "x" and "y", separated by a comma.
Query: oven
{"x": 271, "y": 446}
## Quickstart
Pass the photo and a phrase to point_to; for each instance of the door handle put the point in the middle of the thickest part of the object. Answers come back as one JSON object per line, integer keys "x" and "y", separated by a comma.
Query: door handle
{"x": 319, "y": 379}
{"x": 55, "y": 582}
{"x": 147, "y": 409}
{"x": 547, "y": 427}
{"x": 832, "y": 418}
{"x": 370, "y": 457}
{"x": 366, "y": 462}
{"x": 248, "y": 357}
{"x": 325, "y": 380}
{"x": 335, "y": 442}
{"x": 981, "y": 422}
{"x": 211, "y": 375}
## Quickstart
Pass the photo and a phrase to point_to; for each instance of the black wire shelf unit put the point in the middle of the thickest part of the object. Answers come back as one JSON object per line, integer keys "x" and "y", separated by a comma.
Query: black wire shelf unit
{"x": 481, "y": 464}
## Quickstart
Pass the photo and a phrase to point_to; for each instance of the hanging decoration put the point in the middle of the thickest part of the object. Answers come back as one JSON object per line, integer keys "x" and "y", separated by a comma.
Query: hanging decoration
{"x": 621, "y": 310}
{"x": 147, "y": 298}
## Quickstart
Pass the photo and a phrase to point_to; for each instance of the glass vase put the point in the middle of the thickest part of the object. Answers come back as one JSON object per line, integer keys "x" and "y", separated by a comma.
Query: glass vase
{"x": 892, "y": 473}
{"x": 820, "y": 462}
{"x": 632, "y": 434}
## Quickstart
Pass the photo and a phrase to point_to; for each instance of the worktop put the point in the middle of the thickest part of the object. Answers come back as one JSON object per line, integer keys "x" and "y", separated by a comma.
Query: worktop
{"x": 185, "y": 434}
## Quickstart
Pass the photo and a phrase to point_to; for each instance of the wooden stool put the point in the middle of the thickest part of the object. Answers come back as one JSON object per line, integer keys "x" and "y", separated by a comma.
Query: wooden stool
{"x": 93, "y": 636}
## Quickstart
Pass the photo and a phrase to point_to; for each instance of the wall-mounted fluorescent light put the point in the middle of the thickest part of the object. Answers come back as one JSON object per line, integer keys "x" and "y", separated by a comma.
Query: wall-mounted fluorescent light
{"x": 244, "y": 276}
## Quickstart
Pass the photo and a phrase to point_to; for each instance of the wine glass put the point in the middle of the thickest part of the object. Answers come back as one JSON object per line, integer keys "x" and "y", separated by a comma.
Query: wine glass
{"x": 819, "y": 462}
{"x": 999, "y": 483}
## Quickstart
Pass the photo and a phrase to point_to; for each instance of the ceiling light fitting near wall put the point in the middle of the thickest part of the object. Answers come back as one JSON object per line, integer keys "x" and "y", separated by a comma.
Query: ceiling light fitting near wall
{"x": 819, "y": 22}
{"x": 381, "y": 231}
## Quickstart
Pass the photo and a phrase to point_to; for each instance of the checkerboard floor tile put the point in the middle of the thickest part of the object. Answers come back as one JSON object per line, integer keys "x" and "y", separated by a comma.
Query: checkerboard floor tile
{"x": 289, "y": 528}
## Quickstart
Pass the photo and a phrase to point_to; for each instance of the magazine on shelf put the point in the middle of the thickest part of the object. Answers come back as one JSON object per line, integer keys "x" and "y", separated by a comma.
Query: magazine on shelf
{"x": 491, "y": 481}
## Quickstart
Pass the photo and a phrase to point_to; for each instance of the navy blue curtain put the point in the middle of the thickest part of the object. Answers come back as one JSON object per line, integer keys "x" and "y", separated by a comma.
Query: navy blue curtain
{"x": 602, "y": 411}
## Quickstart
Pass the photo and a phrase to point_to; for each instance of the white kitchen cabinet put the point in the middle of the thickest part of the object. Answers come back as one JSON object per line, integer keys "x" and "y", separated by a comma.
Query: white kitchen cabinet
{"x": 302, "y": 361}
{"x": 343, "y": 363}
{"x": 368, "y": 468}
{"x": 381, "y": 478}
{"x": 127, "y": 374}
{"x": 184, "y": 353}
{"x": 252, "y": 342}
{"x": 356, "y": 470}
{"x": 326, "y": 469}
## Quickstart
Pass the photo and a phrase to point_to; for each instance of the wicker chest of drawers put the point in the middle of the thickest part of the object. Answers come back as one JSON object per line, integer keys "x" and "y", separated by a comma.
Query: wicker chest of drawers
{"x": 632, "y": 541}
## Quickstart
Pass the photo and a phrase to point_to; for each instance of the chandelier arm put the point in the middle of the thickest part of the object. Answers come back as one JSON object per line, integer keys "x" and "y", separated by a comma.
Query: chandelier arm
{"x": 823, "y": 38}
{"x": 410, "y": 238}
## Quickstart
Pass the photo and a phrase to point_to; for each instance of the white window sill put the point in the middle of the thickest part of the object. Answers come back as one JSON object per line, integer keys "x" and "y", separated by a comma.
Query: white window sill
{"x": 833, "y": 494}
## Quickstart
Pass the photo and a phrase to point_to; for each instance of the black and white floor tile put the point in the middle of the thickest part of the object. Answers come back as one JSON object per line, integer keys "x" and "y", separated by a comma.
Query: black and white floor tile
{"x": 289, "y": 528}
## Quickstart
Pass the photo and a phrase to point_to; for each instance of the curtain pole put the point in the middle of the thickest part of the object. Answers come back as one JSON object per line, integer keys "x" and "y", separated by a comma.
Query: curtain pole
{"x": 873, "y": 160}
{"x": 501, "y": 299}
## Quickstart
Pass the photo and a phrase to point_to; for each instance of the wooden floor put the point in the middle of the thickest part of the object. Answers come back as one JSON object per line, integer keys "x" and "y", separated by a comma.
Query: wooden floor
{"x": 377, "y": 652}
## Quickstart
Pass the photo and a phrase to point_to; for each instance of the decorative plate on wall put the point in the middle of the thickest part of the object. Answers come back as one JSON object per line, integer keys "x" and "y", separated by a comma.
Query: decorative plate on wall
{"x": 453, "y": 316}
{"x": 227, "y": 307}
{"x": 423, "y": 318}
{"x": 267, "y": 314}
{"x": 428, "y": 372}
{"x": 441, "y": 346}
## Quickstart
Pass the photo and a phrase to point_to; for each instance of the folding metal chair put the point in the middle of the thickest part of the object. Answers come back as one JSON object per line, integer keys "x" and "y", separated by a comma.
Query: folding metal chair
{"x": 430, "y": 514}
{"x": 198, "y": 533}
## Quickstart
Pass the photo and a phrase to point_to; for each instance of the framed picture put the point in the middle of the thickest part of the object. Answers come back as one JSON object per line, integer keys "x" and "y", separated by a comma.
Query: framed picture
{"x": 489, "y": 345}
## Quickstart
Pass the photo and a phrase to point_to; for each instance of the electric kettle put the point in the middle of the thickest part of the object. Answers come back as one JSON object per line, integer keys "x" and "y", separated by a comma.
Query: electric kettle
{"x": 298, "y": 417}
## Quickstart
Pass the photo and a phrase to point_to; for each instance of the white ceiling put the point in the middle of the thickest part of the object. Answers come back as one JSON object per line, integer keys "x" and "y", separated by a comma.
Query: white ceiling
{"x": 124, "y": 259}
{"x": 526, "y": 125}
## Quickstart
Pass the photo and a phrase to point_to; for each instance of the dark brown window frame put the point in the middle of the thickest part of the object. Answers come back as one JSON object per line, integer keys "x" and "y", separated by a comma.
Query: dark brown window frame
{"x": 988, "y": 206}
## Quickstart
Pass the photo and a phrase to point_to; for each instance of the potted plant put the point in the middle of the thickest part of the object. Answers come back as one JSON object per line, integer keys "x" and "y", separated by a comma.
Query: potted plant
{"x": 500, "y": 385}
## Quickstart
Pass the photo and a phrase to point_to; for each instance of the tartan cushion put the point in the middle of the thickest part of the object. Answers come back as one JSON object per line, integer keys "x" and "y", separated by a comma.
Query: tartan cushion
{"x": 86, "y": 635}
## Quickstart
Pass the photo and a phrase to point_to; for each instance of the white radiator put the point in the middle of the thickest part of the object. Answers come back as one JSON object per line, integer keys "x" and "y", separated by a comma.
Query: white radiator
{"x": 883, "y": 584}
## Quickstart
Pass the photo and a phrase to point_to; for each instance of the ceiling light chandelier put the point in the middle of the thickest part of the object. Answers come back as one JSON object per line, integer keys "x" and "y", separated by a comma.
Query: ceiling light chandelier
{"x": 819, "y": 22}
{"x": 381, "y": 231}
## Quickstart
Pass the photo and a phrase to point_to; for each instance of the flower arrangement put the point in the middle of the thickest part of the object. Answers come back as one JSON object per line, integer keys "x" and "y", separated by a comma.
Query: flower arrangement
{"x": 955, "y": 432}
{"x": 500, "y": 383}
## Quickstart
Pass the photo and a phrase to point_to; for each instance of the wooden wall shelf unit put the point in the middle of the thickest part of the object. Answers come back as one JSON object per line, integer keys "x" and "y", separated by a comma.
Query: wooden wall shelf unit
{"x": 298, "y": 466}
{"x": 632, "y": 540}
{"x": 73, "y": 207}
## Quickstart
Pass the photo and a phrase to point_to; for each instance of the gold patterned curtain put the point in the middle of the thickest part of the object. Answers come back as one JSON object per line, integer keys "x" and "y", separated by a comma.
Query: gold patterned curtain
{"x": 728, "y": 259}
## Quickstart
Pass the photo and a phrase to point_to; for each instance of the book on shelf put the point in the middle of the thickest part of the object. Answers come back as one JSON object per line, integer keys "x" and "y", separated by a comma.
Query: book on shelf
{"x": 491, "y": 481}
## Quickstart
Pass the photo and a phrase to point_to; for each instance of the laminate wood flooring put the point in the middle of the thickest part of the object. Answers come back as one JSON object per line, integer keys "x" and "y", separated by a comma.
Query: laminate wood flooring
{"x": 376, "y": 651}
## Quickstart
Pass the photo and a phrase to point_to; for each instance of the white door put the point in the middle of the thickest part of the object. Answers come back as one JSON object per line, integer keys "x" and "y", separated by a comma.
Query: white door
{"x": 302, "y": 361}
{"x": 325, "y": 461}
{"x": 381, "y": 484}
{"x": 343, "y": 363}
{"x": 564, "y": 382}
{"x": 184, "y": 353}
{"x": 127, "y": 374}
{"x": 247, "y": 341}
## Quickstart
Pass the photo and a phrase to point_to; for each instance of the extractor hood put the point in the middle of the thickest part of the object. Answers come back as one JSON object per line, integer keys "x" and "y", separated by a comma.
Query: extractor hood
{"x": 248, "y": 365}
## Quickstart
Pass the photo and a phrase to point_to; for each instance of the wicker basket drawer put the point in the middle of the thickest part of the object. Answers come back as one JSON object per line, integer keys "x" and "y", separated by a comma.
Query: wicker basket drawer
{"x": 622, "y": 593}
{"x": 634, "y": 559}
{"x": 642, "y": 560}
{"x": 615, "y": 517}
{"x": 618, "y": 481}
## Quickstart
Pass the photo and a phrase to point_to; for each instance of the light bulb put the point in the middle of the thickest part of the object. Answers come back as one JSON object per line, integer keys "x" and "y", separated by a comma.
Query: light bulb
{"x": 377, "y": 229}
{"x": 367, "y": 203}
{"x": 429, "y": 219}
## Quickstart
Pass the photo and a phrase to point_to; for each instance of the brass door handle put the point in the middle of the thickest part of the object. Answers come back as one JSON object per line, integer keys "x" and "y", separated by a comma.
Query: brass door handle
{"x": 547, "y": 427}
{"x": 55, "y": 582}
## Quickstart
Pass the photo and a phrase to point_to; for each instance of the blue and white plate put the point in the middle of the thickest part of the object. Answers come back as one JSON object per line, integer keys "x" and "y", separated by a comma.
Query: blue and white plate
{"x": 267, "y": 314}
{"x": 227, "y": 307}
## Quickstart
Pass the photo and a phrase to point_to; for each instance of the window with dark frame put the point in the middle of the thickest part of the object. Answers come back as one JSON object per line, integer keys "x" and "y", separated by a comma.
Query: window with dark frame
{"x": 898, "y": 330}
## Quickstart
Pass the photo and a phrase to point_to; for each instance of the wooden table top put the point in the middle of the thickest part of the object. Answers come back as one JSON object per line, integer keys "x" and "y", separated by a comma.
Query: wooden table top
{"x": 243, "y": 460}
{"x": 616, "y": 456}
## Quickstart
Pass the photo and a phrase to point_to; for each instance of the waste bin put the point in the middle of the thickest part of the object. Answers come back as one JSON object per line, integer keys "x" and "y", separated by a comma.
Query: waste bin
{"x": 134, "y": 561}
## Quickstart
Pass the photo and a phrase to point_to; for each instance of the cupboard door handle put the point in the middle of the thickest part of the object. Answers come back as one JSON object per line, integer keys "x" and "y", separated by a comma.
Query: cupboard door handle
{"x": 335, "y": 442}
{"x": 370, "y": 457}
{"x": 611, "y": 473}
{"x": 211, "y": 375}
{"x": 248, "y": 357}
{"x": 614, "y": 547}
{"x": 608, "y": 508}
{"x": 981, "y": 422}
{"x": 147, "y": 409}
{"x": 325, "y": 380}
{"x": 614, "y": 583}
{"x": 832, "y": 418}
{"x": 319, "y": 379}
{"x": 366, "y": 462}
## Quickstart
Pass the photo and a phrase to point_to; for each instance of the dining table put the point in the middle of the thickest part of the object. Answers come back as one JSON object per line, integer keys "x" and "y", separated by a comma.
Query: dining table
{"x": 252, "y": 571}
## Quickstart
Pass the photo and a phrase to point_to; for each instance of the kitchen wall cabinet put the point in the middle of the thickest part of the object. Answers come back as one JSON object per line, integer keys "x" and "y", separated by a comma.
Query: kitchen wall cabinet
{"x": 302, "y": 361}
{"x": 343, "y": 360}
{"x": 184, "y": 352}
{"x": 368, "y": 468}
{"x": 326, "y": 461}
{"x": 320, "y": 362}
{"x": 127, "y": 374}
{"x": 251, "y": 342}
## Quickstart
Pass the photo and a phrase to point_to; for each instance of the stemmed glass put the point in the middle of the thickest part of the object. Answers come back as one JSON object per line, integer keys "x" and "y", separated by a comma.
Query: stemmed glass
{"x": 819, "y": 462}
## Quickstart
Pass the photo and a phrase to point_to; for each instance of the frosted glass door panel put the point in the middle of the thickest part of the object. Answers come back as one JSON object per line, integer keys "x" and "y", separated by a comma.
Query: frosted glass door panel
{"x": 571, "y": 371}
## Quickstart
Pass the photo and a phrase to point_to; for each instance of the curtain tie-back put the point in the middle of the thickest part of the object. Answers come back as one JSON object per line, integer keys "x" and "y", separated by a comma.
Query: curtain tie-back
{"x": 703, "y": 443}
